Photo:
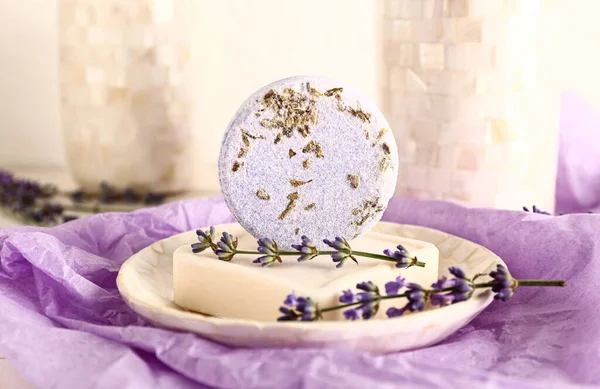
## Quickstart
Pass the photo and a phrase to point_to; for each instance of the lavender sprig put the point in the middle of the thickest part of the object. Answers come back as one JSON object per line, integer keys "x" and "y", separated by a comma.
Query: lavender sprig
{"x": 30, "y": 201}
{"x": 226, "y": 247}
{"x": 269, "y": 248}
{"x": 535, "y": 209}
{"x": 443, "y": 292}
{"x": 205, "y": 240}
{"x": 342, "y": 251}
{"x": 307, "y": 250}
{"x": 298, "y": 308}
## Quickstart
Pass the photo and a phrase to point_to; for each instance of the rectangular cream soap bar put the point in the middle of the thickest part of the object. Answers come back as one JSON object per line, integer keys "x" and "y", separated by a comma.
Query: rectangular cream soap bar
{"x": 242, "y": 289}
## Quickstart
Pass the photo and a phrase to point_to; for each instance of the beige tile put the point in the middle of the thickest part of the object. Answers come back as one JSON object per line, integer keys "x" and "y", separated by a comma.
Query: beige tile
{"x": 473, "y": 132}
{"x": 481, "y": 56}
{"x": 448, "y": 134}
{"x": 470, "y": 159}
{"x": 428, "y": 31}
{"x": 420, "y": 106}
{"x": 424, "y": 131}
{"x": 408, "y": 152}
{"x": 402, "y": 30}
{"x": 400, "y": 106}
{"x": 487, "y": 9}
{"x": 398, "y": 77}
{"x": 458, "y": 8}
{"x": 417, "y": 177}
{"x": 94, "y": 75}
{"x": 448, "y": 157}
{"x": 431, "y": 56}
{"x": 449, "y": 31}
{"x": 415, "y": 83}
{"x": 427, "y": 154}
{"x": 501, "y": 131}
{"x": 496, "y": 156}
{"x": 456, "y": 57}
{"x": 461, "y": 184}
{"x": 444, "y": 108}
{"x": 406, "y": 54}
{"x": 468, "y": 30}
{"x": 412, "y": 9}
{"x": 434, "y": 8}
{"x": 394, "y": 9}
{"x": 439, "y": 180}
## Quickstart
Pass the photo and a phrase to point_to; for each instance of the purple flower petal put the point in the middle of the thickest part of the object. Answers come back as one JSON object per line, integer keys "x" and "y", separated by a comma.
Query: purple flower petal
{"x": 351, "y": 314}
{"x": 394, "y": 312}
{"x": 347, "y": 297}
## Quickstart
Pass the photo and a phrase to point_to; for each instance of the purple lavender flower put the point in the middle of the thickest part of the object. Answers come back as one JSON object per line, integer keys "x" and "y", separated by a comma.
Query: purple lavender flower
{"x": 368, "y": 286}
{"x": 288, "y": 314}
{"x": 371, "y": 292}
{"x": 503, "y": 285}
{"x": 268, "y": 247}
{"x": 369, "y": 299}
{"x": 108, "y": 193}
{"x": 130, "y": 196}
{"x": 300, "y": 308}
{"x": 291, "y": 300}
{"x": 352, "y": 314}
{"x": 366, "y": 310}
{"x": 77, "y": 196}
{"x": 457, "y": 272}
{"x": 151, "y": 198}
{"x": 343, "y": 250}
{"x": 417, "y": 298}
{"x": 69, "y": 218}
{"x": 50, "y": 212}
{"x": 460, "y": 289}
{"x": 401, "y": 256}
{"x": 307, "y": 248}
{"x": 393, "y": 287}
{"x": 347, "y": 297}
{"x": 205, "y": 240}
{"x": 6, "y": 178}
{"x": 536, "y": 210}
{"x": 339, "y": 244}
{"x": 226, "y": 247}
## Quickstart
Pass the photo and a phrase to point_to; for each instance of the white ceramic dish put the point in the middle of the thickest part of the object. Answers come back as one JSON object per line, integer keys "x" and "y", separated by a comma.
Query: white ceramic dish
{"x": 146, "y": 284}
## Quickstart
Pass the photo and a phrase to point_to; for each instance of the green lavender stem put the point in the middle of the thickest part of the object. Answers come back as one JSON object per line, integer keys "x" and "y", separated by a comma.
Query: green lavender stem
{"x": 336, "y": 307}
{"x": 383, "y": 257}
{"x": 429, "y": 291}
{"x": 526, "y": 283}
{"x": 352, "y": 252}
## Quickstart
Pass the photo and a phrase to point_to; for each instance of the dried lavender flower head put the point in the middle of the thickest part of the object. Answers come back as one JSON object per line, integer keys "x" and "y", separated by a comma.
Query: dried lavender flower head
{"x": 328, "y": 125}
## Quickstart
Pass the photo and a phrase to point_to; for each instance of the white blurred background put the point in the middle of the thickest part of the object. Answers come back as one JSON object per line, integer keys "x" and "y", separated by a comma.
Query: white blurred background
{"x": 236, "y": 40}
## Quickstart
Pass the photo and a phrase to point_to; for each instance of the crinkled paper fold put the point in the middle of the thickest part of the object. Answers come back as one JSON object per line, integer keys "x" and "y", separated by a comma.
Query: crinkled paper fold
{"x": 63, "y": 323}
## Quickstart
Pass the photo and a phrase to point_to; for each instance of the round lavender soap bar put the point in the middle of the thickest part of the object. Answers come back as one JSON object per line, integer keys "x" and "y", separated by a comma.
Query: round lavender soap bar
{"x": 308, "y": 156}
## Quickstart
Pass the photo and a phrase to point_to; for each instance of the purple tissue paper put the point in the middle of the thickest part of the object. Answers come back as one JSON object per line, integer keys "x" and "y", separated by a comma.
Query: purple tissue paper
{"x": 63, "y": 323}
{"x": 578, "y": 174}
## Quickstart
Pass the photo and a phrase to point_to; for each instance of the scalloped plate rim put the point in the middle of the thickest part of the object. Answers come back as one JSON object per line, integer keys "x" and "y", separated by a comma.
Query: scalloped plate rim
{"x": 474, "y": 305}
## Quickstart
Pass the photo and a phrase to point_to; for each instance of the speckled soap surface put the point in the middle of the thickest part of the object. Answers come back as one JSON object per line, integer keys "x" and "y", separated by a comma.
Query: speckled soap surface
{"x": 308, "y": 156}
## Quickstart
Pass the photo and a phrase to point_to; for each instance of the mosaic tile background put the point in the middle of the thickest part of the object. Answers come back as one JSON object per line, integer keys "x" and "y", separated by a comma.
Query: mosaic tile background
{"x": 467, "y": 87}
{"x": 472, "y": 100}
{"x": 124, "y": 76}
